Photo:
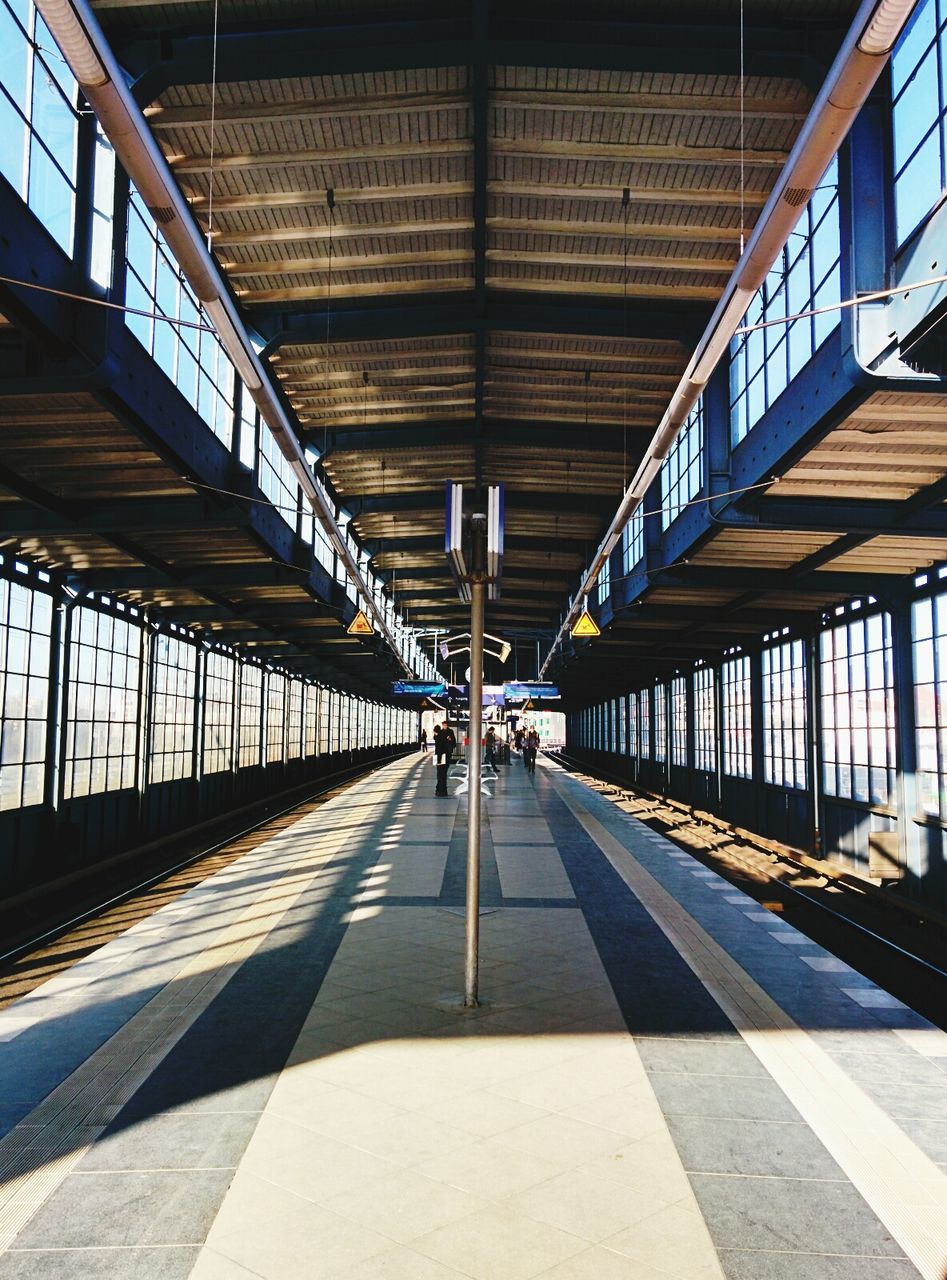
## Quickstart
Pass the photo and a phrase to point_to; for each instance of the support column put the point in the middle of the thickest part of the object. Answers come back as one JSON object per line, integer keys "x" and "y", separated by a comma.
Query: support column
{"x": 56, "y": 704}
{"x": 717, "y": 448}
{"x": 815, "y": 748}
{"x": 85, "y": 192}
{"x": 472, "y": 933}
{"x": 757, "y": 753}
{"x": 719, "y": 729}
{"x": 910, "y": 847}
{"x": 866, "y": 214}
{"x": 146, "y": 692}
{"x": 651, "y": 506}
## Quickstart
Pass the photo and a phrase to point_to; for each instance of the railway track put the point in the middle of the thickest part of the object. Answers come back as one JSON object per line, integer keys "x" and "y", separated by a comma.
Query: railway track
{"x": 122, "y": 896}
{"x": 898, "y": 944}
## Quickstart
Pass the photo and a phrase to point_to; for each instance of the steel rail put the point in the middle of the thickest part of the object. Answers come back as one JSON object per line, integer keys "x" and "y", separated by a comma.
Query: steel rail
{"x": 60, "y": 930}
{"x": 572, "y": 766}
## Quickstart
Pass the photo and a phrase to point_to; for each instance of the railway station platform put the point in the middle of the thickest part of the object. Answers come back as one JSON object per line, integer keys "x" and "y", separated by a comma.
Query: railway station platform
{"x": 272, "y": 1075}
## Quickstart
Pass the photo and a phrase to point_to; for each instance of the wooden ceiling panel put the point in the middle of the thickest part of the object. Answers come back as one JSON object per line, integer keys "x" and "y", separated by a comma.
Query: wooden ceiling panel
{"x": 416, "y": 221}
{"x": 756, "y": 549}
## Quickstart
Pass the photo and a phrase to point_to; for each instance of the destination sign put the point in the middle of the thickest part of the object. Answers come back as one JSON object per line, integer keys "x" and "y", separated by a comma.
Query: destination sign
{"x": 418, "y": 688}
{"x": 516, "y": 689}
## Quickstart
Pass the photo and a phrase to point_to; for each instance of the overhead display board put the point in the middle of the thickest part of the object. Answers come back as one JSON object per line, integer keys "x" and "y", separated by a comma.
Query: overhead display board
{"x": 516, "y": 689}
{"x": 418, "y": 688}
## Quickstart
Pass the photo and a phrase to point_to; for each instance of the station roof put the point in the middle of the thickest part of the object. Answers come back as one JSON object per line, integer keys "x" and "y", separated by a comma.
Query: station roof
{"x": 483, "y": 302}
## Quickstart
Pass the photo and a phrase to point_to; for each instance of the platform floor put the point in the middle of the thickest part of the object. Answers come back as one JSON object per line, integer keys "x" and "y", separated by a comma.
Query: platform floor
{"x": 273, "y": 1076}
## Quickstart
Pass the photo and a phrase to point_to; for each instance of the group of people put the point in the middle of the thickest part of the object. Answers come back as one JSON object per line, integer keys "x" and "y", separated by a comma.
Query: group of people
{"x": 526, "y": 741}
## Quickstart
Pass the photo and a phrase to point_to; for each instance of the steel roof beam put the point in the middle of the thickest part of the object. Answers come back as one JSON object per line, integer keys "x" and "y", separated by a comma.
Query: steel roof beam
{"x": 195, "y": 514}
{"x": 266, "y": 610}
{"x": 427, "y": 316}
{"x": 511, "y": 595}
{"x": 547, "y": 436}
{"x": 425, "y": 543}
{"x": 553, "y": 502}
{"x": 209, "y": 577}
{"x": 763, "y": 582}
{"x": 841, "y": 515}
{"x": 179, "y": 58}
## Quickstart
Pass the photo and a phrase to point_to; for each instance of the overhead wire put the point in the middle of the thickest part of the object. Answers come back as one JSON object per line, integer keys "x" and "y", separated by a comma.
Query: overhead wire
{"x": 110, "y": 306}
{"x": 277, "y": 506}
{"x": 878, "y": 295}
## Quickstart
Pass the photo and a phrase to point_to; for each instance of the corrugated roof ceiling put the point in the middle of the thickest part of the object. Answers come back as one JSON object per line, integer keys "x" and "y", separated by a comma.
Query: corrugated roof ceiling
{"x": 496, "y": 189}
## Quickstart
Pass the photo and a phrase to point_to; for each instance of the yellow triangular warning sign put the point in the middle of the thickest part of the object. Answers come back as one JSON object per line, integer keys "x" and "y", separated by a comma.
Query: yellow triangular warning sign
{"x": 360, "y": 626}
{"x": 528, "y": 705}
{"x": 585, "y": 626}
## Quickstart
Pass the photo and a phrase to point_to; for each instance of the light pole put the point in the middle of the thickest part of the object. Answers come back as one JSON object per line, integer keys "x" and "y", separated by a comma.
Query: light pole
{"x": 472, "y": 929}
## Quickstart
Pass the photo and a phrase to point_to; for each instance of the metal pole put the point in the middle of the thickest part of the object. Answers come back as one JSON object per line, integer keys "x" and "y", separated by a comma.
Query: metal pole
{"x": 472, "y": 949}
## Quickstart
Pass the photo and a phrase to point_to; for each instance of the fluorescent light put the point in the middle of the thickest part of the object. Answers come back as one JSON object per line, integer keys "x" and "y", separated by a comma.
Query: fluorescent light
{"x": 233, "y": 344}
{"x": 884, "y": 26}
{"x": 495, "y": 505}
{"x": 74, "y": 42}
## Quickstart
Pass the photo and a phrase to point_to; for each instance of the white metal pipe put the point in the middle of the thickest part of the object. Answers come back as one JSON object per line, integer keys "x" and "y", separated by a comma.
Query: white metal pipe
{"x": 76, "y": 30}
{"x": 853, "y": 74}
{"x": 474, "y": 774}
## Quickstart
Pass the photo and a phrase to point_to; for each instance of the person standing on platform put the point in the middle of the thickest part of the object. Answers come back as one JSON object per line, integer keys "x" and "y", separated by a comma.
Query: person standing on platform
{"x": 443, "y": 746}
{"x": 491, "y": 745}
{"x": 530, "y": 748}
{"x": 423, "y": 740}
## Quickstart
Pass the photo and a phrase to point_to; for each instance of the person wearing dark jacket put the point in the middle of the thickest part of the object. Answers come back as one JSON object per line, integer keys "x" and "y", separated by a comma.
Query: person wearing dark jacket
{"x": 530, "y": 748}
{"x": 444, "y": 743}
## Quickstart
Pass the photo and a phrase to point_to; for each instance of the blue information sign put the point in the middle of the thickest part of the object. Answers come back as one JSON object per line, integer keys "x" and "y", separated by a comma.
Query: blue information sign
{"x": 419, "y": 688}
{"x": 515, "y": 689}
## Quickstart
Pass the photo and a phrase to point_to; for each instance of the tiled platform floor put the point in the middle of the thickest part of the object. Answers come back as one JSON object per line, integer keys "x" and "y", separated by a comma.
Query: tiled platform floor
{"x": 273, "y": 1076}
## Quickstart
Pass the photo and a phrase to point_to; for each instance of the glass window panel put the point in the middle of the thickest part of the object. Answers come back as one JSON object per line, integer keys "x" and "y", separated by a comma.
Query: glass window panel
{"x": 681, "y": 470}
{"x": 207, "y": 377}
{"x": 914, "y": 118}
{"x": 660, "y": 723}
{"x": 929, "y": 620}
{"x": 705, "y": 719}
{"x": 918, "y": 115}
{"x": 679, "y": 721}
{"x": 806, "y": 275}
{"x": 784, "y": 715}
{"x": 174, "y": 668}
{"x": 12, "y": 137}
{"x": 218, "y": 709}
{"x": 38, "y": 120}
{"x": 917, "y": 38}
{"x": 251, "y": 711}
{"x": 103, "y": 704}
